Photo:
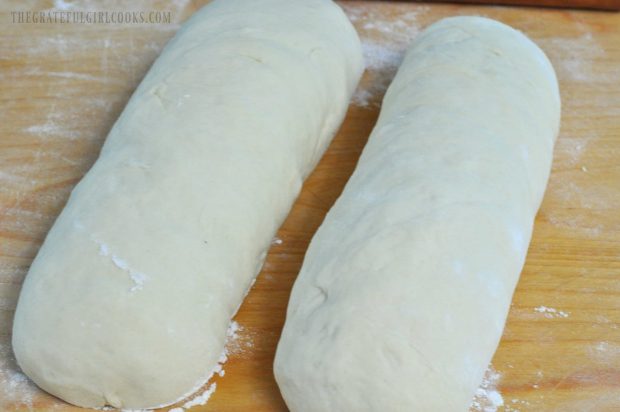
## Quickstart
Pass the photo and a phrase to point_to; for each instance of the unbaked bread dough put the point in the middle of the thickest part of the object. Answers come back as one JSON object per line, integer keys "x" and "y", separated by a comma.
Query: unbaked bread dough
{"x": 405, "y": 289}
{"x": 129, "y": 299}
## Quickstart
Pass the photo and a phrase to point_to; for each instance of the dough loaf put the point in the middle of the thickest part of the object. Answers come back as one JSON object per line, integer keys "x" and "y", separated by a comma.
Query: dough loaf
{"x": 128, "y": 300}
{"x": 405, "y": 289}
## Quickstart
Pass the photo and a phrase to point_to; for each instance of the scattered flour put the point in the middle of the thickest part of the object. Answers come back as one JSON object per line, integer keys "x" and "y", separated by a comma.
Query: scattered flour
{"x": 579, "y": 224}
{"x": 571, "y": 149}
{"x": 16, "y": 390}
{"x": 588, "y": 87}
{"x": 14, "y": 382}
{"x": 232, "y": 335}
{"x": 604, "y": 353}
{"x": 514, "y": 405}
{"x": 384, "y": 41}
{"x": 239, "y": 344}
{"x": 575, "y": 56}
{"x": 551, "y": 312}
{"x": 487, "y": 397}
{"x": 138, "y": 278}
{"x": 201, "y": 399}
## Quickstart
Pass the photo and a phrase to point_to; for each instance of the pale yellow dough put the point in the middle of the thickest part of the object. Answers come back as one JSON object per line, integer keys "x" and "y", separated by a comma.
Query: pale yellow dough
{"x": 128, "y": 301}
{"x": 404, "y": 291}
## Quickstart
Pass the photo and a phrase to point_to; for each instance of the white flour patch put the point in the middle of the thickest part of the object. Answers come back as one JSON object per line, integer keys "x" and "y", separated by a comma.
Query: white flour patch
{"x": 47, "y": 128}
{"x": 232, "y": 335}
{"x": 103, "y": 250}
{"x": 384, "y": 41}
{"x": 381, "y": 64}
{"x": 576, "y": 223}
{"x": 36, "y": 71}
{"x": 604, "y": 352}
{"x": 515, "y": 404}
{"x": 53, "y": 127}
{"x": 574, "y": 57}
{"x": 240, "y": 341}
{"x": 202, "y": 398}
{"x": 16, "y": 383}
{"x": 379, "y": 57}
{"x": 570, "y": 150}
{"x": 581, "y": 191}
{"x": 586, "y": 197}
{"x": 16, "y": 390}
{"x": 137, "y": 277}
{"x": 551, "y": 312}
{"x": 138, "y": 280}
{"x": 487, "y": 397}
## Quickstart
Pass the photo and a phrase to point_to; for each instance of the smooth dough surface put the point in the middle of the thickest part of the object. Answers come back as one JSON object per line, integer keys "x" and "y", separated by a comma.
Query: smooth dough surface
{"x": 128, "y": 300}
{"x": 405, "y": 289}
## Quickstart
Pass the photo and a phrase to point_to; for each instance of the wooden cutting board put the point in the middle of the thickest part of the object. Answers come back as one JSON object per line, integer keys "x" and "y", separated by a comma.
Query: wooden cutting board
{"x": 63, "y": 86}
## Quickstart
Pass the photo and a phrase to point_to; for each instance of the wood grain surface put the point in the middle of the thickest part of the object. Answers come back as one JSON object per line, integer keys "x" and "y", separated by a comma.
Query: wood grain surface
{"x": 63, "y": 86}
{"x": 571, "y": 4}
